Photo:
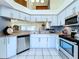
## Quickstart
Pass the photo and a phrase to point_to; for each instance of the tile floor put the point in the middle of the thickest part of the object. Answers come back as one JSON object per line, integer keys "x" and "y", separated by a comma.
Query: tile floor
{"x": 38, "y": 54}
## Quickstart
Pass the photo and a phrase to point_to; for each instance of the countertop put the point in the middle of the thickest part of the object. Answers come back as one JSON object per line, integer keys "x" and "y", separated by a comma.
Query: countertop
{"x": 16, "y": 33}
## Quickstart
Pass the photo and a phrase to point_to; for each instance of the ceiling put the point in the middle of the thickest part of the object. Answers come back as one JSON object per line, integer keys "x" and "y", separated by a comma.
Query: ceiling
{"x": 58, "y": 5}
{"x": 55, "y": 4}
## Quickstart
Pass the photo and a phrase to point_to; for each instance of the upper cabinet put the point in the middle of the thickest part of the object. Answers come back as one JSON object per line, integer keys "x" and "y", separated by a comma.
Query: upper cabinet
{"x": 54, "y": 21}
{"x": 41, "y": 18}
{"x": 15, "y": 14}
{"x": 61, "y": 18}
{"x": 70, "y": 10}
{"x": 5, "y": 12}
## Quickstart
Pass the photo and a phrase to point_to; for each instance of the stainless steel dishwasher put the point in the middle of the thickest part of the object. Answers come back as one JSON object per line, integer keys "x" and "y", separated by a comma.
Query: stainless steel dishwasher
{"x": 23, "y": 43}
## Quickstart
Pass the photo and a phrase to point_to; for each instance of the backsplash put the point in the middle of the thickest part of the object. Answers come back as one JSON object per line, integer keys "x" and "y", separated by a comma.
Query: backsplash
{"x": 4, "y": 22}
{"x": 60, "y": 28}
{"x": 57, "y": 28}
{"x": 75, "y": 28}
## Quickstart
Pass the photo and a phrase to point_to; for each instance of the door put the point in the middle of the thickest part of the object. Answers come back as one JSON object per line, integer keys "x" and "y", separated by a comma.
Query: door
{"x": 34, "y": 42}
{"x": 11, "y": 46}
{"x": 51, "y": 42}
{"x": 43, "y": 42}
{"x": 2, "y": 47}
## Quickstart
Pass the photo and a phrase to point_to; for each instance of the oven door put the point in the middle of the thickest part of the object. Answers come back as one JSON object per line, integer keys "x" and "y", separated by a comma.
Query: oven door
{"x": 67, "y": 47}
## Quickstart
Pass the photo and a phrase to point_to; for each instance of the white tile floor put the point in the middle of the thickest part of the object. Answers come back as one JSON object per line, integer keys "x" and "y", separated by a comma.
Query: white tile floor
{"x": 38, "y": 54}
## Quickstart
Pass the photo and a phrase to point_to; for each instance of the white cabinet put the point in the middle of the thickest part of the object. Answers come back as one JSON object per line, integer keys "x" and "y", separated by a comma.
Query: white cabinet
{"x": 38, "y": 42}
{"x": 28, "y": 17}
{"x": 44, "y": 18}
{"x": 70, "y": 10}
{"x": 11, "y": 43}
{"x": 44, "y": 41}
{"x": 54, "y": 21}
{"x": 61, "y": 18}
{"x": 34, "y": 42}
{"x": 51, "y": 42}
{"x": 6, "y": 12}
{"x": 7, "y": 46}
{"x": 77, "y": 5}
{"x": 33, "y": 18}
{"x": 15, "y": 14}
{"x": 38, "y": 18}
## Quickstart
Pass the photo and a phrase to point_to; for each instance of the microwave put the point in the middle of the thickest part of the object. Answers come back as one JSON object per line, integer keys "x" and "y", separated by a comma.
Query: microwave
{"x": 73, "y": 20}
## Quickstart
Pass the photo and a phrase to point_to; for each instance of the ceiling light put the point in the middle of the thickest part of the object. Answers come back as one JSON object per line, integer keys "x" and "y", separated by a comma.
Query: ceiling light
{"x": 42, "y": 1}
{"x": 32, "y": 0}
{"x": 37, "y": 0}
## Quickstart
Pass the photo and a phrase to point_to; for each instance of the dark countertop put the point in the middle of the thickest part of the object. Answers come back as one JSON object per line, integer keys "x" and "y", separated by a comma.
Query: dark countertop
{"x": 69, "y": 38}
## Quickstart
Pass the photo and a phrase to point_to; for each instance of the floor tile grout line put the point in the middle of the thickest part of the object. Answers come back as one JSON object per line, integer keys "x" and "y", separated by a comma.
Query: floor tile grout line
{"x": 42, "y": 53}
{"x": 35, "y": 53}
{"x": 50, "y": 54}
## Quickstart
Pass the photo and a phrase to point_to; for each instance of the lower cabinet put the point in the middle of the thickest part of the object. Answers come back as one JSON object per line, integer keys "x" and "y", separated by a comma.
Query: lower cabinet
{"x": 51, "y": 42}
{"x": 7, "y": 46}
{"x": 34, "y": 42}
{"x": 43, "y": 42}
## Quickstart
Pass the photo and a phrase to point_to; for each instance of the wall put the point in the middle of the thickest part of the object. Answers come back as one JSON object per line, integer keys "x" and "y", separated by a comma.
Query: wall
{"x": 4, "y": 22}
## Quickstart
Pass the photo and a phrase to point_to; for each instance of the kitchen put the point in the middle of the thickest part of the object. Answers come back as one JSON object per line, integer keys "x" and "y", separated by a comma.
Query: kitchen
{"x": 31, "y": 32}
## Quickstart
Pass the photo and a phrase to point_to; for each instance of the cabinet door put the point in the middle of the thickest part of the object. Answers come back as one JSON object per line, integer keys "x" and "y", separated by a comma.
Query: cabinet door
{"x": 51, "y": 42}
{"x": 43, "y": 42}
{"x": 38, "y": 18}
{"x": 70, "y": 10}
{"x": 34, "y": 42}
{"x": 15, "y": 14}
{"x": 61, "y": 18}
{"x": 54, "y": 21}
{"x": 6, "y": 12}
{"x": 28, "y": 17}
{"x": 33, "y": 18}
{"x": 2, "y": 47}
{"x": 11, "y": 46}
{"x": 44, "y": 18}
